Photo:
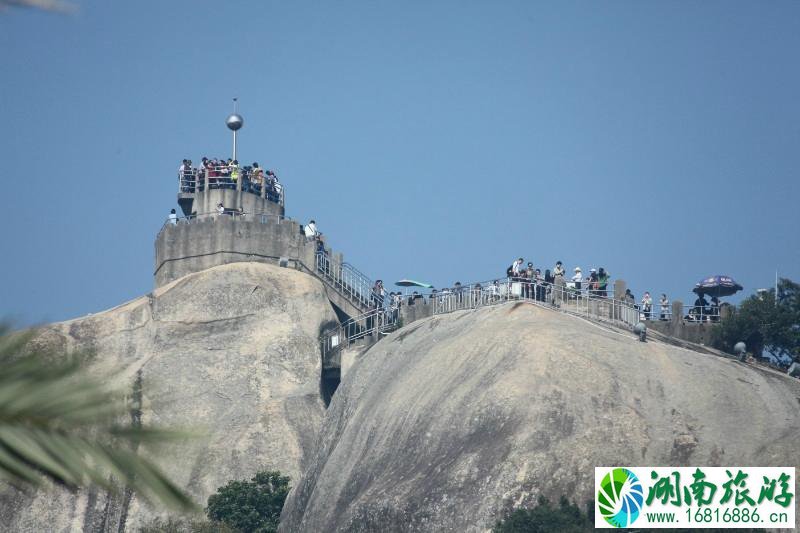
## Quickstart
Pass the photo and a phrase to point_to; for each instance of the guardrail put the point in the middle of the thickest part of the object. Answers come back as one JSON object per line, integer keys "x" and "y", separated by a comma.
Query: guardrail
{"x": 263, "y": 218}
{"x": 380, "y": 320}
{"x": 348, "y": 280}
{"x": 253, "y": 181}
{"x": 567, "y": 299}
{"x": 697, "y": 313}
{"x": 553, "y": 295}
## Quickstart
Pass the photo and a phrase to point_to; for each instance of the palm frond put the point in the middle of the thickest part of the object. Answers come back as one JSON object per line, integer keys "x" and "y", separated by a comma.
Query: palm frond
{"x": 58, "y": 423}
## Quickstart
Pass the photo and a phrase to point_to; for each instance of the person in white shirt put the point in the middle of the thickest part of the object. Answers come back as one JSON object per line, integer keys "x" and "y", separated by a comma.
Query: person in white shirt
{"x": 220, "y": 209}
{"x": 494, "y": 290}
{"x": 647, "y": 305}
{"x": 577, "y": 279}
{"x": 183, "y": 170}
{"x": 517, "y": 268}
{"x": 173, "y": 218}
{"x": 311, "y": 231}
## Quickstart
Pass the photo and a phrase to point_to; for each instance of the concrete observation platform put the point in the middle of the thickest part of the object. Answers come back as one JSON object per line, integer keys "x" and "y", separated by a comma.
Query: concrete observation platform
{"x": 253, "y": 228}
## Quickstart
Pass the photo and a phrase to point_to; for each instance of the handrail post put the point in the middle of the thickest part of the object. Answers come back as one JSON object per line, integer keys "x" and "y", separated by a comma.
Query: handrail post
{"x": 205, "y": 180}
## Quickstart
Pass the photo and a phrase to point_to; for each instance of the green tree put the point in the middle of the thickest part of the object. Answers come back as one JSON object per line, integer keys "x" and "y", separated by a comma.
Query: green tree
{"x": 764, "y": 324}
{"x": 58, "y": 423}
{"x": 250, "y": 506}
{"x": 544, "y": 518}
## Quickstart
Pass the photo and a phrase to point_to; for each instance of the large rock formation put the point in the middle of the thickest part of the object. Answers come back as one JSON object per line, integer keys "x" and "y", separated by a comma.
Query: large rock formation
{"x": 232, "y": 351}
{"x": 449, "y": 423}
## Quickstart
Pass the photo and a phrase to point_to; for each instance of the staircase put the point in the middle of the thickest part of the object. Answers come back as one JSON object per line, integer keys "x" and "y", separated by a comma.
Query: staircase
{"x": 347, "y": 281}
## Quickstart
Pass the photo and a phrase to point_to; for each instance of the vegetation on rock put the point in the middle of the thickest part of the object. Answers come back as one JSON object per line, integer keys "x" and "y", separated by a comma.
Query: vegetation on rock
{"x": 250, "y": 506}
{"x": 544, "y": 518}
{"x": 764, "y": 324}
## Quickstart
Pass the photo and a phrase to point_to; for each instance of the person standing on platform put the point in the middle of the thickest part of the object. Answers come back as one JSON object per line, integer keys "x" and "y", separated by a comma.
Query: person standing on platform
{"x": 664, "y": 302}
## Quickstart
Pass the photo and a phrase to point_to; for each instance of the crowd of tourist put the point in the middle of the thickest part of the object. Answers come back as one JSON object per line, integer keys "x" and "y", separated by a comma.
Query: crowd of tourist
{"x": 553, "y": 286}
{"x": 701, "y": 311}
{"x": 227, "y": 174}
{"x": 596, "y": 284}
{"x": 526, "y": 281}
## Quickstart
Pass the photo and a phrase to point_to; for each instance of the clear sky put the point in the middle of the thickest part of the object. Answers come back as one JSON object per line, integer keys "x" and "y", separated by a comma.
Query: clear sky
{"x": 430, "y": 140}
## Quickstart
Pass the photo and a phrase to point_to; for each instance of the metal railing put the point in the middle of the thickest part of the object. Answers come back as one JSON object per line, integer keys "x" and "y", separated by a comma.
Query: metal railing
{"x": 235, "y": 178}
{"x": 379, "y": 320}
{"x": 699, "y": 313}
{"x": 582, "y": 302}
{"x": 656, "y": 312}
{"x": 263, "y": 218}
{"x": 348, "y": 281}
{"x": 568, "y": 299}
{"x": 187, "y": 180}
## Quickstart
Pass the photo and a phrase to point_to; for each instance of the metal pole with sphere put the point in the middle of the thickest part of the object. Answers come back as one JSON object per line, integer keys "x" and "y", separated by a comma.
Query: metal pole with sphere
{"x": 234, "y": 123}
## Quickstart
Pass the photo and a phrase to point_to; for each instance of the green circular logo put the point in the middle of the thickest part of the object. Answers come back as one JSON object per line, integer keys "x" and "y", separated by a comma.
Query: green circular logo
{"x": 620, "y": 497}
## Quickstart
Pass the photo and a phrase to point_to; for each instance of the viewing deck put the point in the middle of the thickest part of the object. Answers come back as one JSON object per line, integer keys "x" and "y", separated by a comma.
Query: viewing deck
{"x": 237, "y": 189}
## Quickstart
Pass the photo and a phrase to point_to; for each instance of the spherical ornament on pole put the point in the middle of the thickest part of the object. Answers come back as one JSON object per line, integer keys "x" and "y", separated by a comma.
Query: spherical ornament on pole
{"x": 234, "y": 122}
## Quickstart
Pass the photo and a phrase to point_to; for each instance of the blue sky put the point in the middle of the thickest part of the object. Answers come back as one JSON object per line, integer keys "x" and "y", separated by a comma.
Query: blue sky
{"x": 431, "y": 140}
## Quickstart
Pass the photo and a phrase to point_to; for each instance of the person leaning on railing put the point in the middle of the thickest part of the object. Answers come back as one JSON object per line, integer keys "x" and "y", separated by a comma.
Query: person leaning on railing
{"x": 700, "y": 310}
{"x": 629, "y": 298}
{"x": 713, "y": 314}
{"x": 477, "y": 294}
{"x": 212, "y": 171}
{"x": 321, "y": 246}
{"x": 514, "y": 270}
{"x": 273, "y": 186}
{"x": 528, "y": 275}
{"x": 394, "y": 305}
{"x": 187, "y": 176}
{"x": 540, "y": 290}
{"x": 310, "y": 231}
{"x": 235, "y": 172}
{"x": 257, "y": 177}
{"x": 378, "y": 294}
{"x": 458, "y": 292}
{"x": 181, "y": 173}
{"x": 577, "y": 279}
